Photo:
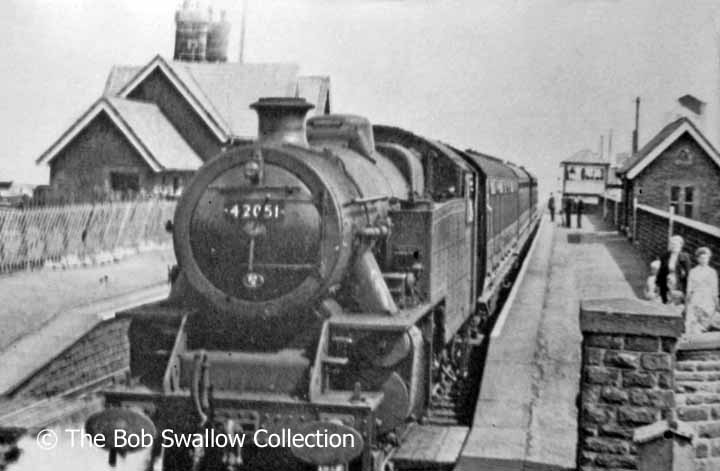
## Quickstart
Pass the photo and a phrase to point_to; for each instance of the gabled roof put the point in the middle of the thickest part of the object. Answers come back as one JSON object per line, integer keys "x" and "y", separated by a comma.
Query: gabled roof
{"x": 661, "y": 141}
{"x": 585, "y": 156}
{"x": 187, "y": 87}
{"x": 119, "y": 76}
{"x": 144, "y": 126}
{"x": 221, "y": 92}
{"x": 316, "y": 90}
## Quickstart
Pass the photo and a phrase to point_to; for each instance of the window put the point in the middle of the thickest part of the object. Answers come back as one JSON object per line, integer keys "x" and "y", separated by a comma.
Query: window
{"x": 124, "y": 182}
{"x": 684, "y": 156}
{"x": 682, "y": 200}
{"x": 689, "y": 201}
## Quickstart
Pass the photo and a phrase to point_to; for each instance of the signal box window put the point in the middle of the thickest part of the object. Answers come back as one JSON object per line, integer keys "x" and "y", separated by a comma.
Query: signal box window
{"x": 682, "y": 199}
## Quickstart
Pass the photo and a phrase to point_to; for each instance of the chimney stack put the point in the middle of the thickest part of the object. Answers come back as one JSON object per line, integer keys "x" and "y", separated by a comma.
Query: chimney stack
{"x": 637, "y": 126}
{"x": 281, "y": 120}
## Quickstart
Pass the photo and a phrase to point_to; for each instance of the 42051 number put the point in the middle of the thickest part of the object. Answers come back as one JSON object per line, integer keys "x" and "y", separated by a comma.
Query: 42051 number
{"x": 253, "y": 210}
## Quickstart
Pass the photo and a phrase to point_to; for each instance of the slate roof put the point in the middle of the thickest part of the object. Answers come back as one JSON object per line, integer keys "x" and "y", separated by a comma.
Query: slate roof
{"x": 153, "y": 129}
{"x": 657, "y": 145}
{"x": 225, "y": 90}
{"x": 652, "y": 144}
{"x": 118, "y": 77}
{"x": 585, "y": 156}
{"x": 316, "y": 90}
{"x": 146, "y": 128}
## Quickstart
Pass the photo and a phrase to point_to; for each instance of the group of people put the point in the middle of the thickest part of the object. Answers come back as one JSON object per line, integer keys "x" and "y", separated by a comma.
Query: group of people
{"x": 673, "y": 280}
{"x": 569, "y": 206}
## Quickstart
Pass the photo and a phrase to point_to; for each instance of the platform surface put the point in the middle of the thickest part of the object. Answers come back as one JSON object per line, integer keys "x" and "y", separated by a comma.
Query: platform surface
{"x": 43, "y": 312}
{"x": 526, "y": 417}
{"x": 430, "y": 447}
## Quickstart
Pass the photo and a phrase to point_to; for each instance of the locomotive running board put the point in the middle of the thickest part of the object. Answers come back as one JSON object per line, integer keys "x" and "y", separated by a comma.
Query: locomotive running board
{"x": 430, "y": 447}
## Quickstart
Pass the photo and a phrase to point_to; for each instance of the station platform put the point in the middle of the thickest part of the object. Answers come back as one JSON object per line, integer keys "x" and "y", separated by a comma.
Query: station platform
{"x": 45, "y": 311}
{"x": 526, "y": 415}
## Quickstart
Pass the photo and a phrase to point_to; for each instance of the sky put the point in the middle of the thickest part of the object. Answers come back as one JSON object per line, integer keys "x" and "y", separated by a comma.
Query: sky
{"x": 531, "y": 81}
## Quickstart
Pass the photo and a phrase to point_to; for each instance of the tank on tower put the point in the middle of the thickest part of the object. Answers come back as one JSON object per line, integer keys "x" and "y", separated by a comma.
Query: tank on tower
{"x": 217, "y": 39}
{"x": 191, "y": 33}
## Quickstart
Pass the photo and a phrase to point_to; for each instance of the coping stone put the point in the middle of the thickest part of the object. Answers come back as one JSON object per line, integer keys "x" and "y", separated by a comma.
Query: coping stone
{"x": 629, "y": 316}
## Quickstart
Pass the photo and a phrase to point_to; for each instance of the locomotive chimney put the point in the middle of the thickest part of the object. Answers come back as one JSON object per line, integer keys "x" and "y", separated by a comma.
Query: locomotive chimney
{"x": 282, "y": 120}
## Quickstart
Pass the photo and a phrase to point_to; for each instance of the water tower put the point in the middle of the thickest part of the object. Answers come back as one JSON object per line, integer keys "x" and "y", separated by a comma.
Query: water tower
{"x": 217, "y": 39}
{"x": 191, "y": 33}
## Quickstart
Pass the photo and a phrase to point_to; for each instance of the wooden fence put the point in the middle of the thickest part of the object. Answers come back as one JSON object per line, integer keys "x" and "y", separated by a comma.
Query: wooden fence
{"x": 650, "y": 229}
{"x": 37, "y": 236}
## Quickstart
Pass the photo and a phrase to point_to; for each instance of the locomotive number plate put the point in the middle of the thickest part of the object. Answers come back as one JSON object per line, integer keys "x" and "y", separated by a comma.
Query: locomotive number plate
{"x": 264, "y": 210}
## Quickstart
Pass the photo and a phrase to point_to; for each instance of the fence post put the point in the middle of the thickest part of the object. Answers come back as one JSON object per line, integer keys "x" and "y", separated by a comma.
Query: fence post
{"x": 121, "y": 230}
{"x": 634, "y": 232}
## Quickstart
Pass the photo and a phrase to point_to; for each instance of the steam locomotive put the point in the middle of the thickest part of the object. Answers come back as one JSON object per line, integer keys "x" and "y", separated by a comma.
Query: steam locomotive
{"x": 331, "y": 276}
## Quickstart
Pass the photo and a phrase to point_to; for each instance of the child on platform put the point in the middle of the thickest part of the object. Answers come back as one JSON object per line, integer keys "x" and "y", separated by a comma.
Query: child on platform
{"x": 651, "y": 290}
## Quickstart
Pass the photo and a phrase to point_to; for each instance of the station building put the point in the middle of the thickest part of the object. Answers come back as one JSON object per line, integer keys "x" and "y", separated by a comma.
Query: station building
{"x": 156, "y": 123}
{"x": 678, "y": 168}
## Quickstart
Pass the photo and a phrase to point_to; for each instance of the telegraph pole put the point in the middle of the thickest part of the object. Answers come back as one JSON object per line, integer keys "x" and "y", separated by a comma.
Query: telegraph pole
{"x": 243, "y": 23}
{"x": 637, "y": 126}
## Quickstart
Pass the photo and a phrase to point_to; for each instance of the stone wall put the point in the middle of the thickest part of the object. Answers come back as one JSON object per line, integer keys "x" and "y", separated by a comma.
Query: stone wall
{"x": 626, "y": 379}
{"x": 100, "y": 355}
{"x": 697, "y": 380}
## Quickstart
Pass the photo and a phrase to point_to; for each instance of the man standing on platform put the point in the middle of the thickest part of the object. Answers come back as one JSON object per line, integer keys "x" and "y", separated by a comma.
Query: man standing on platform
{"x": 567, "y": 208}
{"x": 551, "y": 207}
{"x": 579, "y": 210}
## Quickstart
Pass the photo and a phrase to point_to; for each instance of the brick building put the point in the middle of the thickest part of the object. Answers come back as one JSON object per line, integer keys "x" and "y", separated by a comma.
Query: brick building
{"x": 585, "y": 174}
{"x": 157, "y": 123}
{"x": 678, "y": 168}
